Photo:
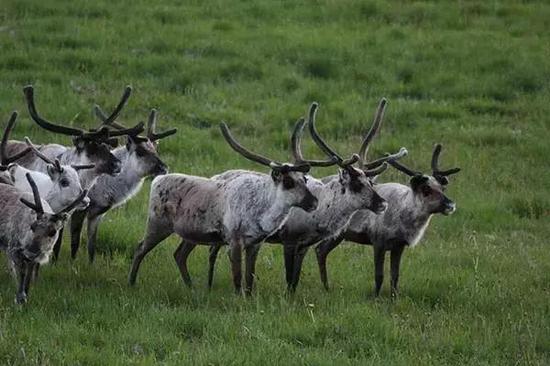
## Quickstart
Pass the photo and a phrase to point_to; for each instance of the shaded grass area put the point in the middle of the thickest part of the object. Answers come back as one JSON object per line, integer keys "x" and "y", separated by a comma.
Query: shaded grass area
{"x": 473, "y": 76}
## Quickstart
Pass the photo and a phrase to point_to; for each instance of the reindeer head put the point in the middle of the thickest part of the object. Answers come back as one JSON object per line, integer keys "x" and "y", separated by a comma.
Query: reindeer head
{"x": 92, "y": 147}
{"x": 43, "y": 231}
{"x": 289, "y": 179}
{"x": 143, "y": 157}
{"x": 5, "y": 160}
{"x": 430, "y": 188}
{"x": 356, "y": 184}
{"x": 66, "y": 185}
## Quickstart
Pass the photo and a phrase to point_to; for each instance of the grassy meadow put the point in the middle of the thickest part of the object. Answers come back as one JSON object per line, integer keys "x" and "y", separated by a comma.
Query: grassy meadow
{"x": 474, "y": 76}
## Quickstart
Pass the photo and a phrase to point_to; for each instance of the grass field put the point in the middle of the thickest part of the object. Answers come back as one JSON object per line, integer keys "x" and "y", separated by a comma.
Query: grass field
{"x": 472, "y": 75}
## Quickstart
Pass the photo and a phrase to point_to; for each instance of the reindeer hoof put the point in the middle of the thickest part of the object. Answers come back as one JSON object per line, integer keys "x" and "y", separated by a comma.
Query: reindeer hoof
{"x": 21, "y": 299}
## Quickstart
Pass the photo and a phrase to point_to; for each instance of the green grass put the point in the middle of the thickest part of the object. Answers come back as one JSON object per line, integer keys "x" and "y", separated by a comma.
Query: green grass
{"x": 472, "y": 75}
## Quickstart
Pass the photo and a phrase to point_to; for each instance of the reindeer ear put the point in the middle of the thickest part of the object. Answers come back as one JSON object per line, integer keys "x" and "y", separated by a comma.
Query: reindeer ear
{"x": 418, "y": 180}
{"x": 79, "y": 143}
{"x": 52, "y": 172}
{"x": 276, "y": 175}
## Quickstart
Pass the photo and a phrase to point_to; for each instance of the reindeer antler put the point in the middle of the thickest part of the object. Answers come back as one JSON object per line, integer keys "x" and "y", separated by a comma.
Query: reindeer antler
{"x": 441, "y": 175}
{"x": 6, "y": 160}
{"x": 302, "y": 167}
{"x": 296, "y": 142}
{"x": 37, "y": 205}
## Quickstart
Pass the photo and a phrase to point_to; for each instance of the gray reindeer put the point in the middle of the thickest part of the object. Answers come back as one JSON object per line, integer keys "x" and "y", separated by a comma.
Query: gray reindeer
{"x": 339, "y": 197}
{"x": 403, "y": 224}
{"x": 139, "y": 159}
{"x": 242, "y": 211}
{"x": 28, "y": 232}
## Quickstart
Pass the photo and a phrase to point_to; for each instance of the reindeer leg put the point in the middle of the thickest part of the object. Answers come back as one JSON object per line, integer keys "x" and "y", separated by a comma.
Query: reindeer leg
{"x": 156, "y": 233}
{"x": 214, "y": 249}
{"x": 235, "y": 254}
{"x": 395, "y": 262}
{"x": 322, "y": 250}
{"x": 289, "y": 250}
{"x": 379, "y": 257}
{"x": 57, "y": 246}
{"x": 31, "y": 268}
{"x": 23, "y": 271}
{"x": 251, "y": 256}
{"x": 35, "y": 271}
{"x": 93, "y": 225}
{"x": 77, "y": 221}
{"x": 298, "y": 261}
{"x": 180, "y": 255}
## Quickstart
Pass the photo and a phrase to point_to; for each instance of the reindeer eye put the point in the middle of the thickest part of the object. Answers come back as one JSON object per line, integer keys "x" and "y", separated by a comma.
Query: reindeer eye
{"x": 51, "y": 233}
{"x": 288, "y": 183}
{"x": 64, "y": 183}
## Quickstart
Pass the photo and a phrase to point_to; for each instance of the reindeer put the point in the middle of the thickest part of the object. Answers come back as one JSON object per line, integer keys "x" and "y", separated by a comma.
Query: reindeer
{"x": 242, "y": 211}
{"x": 59, "y": 187}
{"x": 139, "y": 160}
{"x": 339, "y": 197}
{"x": 5, "y": 160}
{"x": 28, "y": 232}
{"x": 410, "y": 209}
{"x": 90, "y": 147}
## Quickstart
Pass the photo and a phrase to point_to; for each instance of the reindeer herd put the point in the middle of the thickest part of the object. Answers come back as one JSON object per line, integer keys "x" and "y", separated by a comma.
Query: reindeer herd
{"x": 44, "y": 186}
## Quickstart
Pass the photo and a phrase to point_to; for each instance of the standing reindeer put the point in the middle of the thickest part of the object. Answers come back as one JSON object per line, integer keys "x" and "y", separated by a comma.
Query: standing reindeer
{"x": 28, "y": 232}
{"x": 242, "y": 211}
{"x": 139, "y": 160}
{"x": 403, "y": 224}
{"x": 339, "y": 197}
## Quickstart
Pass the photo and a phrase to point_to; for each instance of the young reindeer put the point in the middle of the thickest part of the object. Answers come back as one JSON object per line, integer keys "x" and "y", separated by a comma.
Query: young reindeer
{"x": 90, "y": 147}
{"x": 242, "y": 211}
{"x": 59, "y": 187}
{"x": 403, "y": 224}
{"x": 28, "y": 232}
{"x": 139, "y": 159}
{"x": 5, "y": 160}
{"x": 339, "y": 197}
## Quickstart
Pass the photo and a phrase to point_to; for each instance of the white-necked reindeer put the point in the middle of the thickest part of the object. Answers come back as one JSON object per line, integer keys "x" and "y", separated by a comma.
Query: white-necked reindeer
{"x": 28, "y": 232}
{"x": 241, "y": 212}
{"x": 410, "y": 209}
{"x": 139, "y": 159}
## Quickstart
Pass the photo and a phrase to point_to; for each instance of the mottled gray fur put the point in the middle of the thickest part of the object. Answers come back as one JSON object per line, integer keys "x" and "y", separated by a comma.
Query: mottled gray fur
{"x": 241, "y": 211}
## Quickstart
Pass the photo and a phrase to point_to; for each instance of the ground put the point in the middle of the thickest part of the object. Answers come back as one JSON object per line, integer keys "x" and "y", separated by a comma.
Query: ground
{"x": 471, "y": 75}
